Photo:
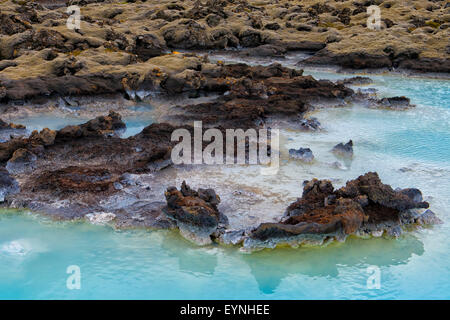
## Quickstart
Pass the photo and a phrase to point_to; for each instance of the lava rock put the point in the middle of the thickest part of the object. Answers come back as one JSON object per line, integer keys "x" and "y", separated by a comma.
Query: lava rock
{"x": 356, "y": 81}
{"x": 311, "y": 124}
{"x": 303, "y": 154}
{"x": 395, "y": 231}
{"x": 100, "y": 126}
{"x": 413, "y": 193}
{"x": 396, "y": 103}
{"x": 198, "y": 208}
{"x": 21, "y": 161}
{"x": 149, "y": 46}
{"x": 429, "y": 217}
{"x": 344, "y": 150}
{"x": 8, "y": 185}
{"x": 265, "y": 50}
{"x": 362, "y": 205}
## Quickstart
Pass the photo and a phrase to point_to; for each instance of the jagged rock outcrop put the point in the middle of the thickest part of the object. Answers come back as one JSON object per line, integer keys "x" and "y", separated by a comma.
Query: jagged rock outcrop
{"x": 394, "y": 103}
{"x": 310, "y": 124}
{"x": 303, "y": 154}
{"x": 22, "y": 161}
{"x": 254, "y": 94}
{"x": 195, "y": 212}
{"x": 82, "y": 169}
{"x": 10, "y": 130}
{"x": 370, "y": 186}
{"x": 8, "y": 185}
{"x": 343, "y": 150}
{"x": 100, "y": 126}
{"x": 35, "y": 143}
{"x": 364, "y": 206}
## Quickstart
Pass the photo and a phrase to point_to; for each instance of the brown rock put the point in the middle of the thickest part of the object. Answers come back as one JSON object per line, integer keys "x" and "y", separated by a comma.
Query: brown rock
{"x": 46, "y": 137}
{"x": 323, "y": 210}
{"x": 198, "y": 208}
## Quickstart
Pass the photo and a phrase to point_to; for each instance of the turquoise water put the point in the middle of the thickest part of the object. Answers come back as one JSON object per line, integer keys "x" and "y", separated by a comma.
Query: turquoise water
{"x": 419, "y": 133}
{"x": 161, "y": 265}
{"x": 407, "y": 148}
{"x": 142, "y": 116}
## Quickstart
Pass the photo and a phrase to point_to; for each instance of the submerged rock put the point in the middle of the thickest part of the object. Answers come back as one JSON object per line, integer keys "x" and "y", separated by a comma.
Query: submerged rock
{"x": 413, "y": 193}
{"x": 303, "y": 154}
{"x": 356, "y": 81}
{"x": 395, "y": 232}
{"x": 8, "y": 185}
{"x": 311, "y": 124}
{"x": 233, "y": 237}
{"x": 344, "y": 150}
{"x": 22, "y": 161}
{"x": 395, "y": 103}
{"x": 429, "y": 217}
{"x": 100, "y": 126}
{"x": 338, "y": 165}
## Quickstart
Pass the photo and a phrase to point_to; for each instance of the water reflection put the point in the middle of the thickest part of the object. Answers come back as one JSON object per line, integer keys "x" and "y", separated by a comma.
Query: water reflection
{"x": 191, "y": 258}
{"x": 270, "y": 267}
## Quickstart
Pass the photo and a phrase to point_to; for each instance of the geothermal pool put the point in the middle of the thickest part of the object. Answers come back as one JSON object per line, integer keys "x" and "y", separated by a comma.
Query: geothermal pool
{"x": 407, "y": 148}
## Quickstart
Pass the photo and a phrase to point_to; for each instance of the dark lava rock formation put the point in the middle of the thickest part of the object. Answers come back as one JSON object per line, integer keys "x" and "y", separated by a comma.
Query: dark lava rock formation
{"x": 80, "y": 165}
{"x": 195, "y": 212}
{"x": 116, "y": 46}
{"x": 303, "y": 154}
{"x": 251, "y": 94}
{"x": 344, "y": 150}
{"x": 7, "y": 184}
{"x": 361, "y": 59}
{"x": 364, "y": 206}
{"x": 394, "y": 103}
{"x": 8, "y": 130}
{"x": 88, "y": 172}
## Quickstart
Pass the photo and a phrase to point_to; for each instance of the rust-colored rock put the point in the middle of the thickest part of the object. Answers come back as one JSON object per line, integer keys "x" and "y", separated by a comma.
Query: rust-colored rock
{"x": 76, "y": 179}
{"x": 45, "y": 137}
{"x": 323, "y": 210}
{"x": 255, "y": 93}
{"x": 99, "y": 126}
{"x": 198, "y": 208}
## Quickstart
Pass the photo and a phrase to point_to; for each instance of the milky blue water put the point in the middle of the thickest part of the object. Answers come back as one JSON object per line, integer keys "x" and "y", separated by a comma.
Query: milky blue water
{"x": 141, "y": 117}
{"x": 407, "y": 148}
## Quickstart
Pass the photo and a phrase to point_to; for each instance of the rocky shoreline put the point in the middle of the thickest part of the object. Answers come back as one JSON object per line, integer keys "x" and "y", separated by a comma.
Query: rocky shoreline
{"x": 88, "y": 172}
{"x": 126, "y": 46}
{"x": 364, "y": 207}
{"x": 128, "y": 50}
